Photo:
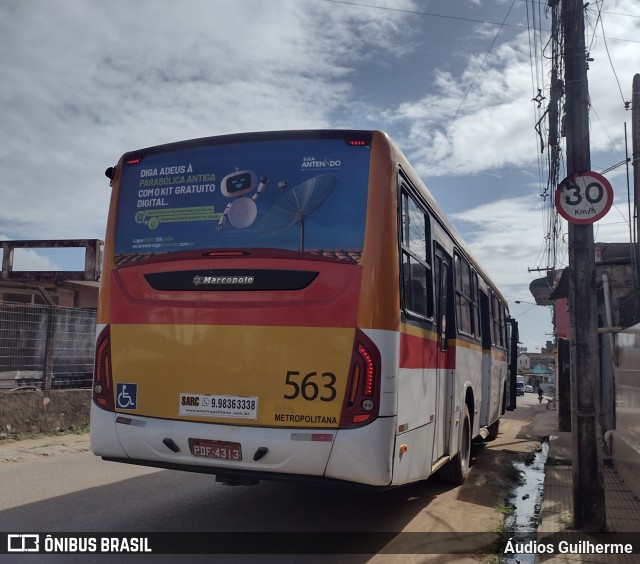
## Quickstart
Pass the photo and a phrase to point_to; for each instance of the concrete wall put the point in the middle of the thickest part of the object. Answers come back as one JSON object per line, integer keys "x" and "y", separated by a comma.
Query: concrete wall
{"x": 624, "y": 440}
{"x": 42, "y": 412}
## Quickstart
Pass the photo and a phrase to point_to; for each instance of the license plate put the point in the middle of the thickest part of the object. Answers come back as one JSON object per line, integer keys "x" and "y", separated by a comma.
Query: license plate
{"x": 221, "y": 450}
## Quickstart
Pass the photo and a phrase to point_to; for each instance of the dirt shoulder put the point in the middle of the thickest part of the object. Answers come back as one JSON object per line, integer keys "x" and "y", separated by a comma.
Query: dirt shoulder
{"x": 15, "y": 450}
{"x": 481, "y": 503}
{"x": 493, "y": 478}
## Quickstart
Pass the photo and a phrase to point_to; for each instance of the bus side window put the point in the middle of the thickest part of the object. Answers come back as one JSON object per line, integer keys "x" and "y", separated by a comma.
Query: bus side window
{"x": 467, "y": 298}
{"x": 503, "y": 327}
{"x": 417, "y": 283}
{"x": 498, "y": 336}
{"x": 463, "y": 293}
{"x": 485, "y": 319}
{"x": 444, "y": 310}
{"x": 475, "y": 306}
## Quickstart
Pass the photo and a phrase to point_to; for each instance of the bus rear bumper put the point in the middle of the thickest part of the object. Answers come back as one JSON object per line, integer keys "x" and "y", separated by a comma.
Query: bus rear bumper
{"x": 354, "y": 455}
{"x": 365, "y": 453}
{"x": 104, "y": 439}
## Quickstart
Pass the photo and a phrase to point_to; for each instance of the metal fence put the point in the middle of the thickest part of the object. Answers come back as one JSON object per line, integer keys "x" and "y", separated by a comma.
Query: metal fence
{"x": 46, "y": 346}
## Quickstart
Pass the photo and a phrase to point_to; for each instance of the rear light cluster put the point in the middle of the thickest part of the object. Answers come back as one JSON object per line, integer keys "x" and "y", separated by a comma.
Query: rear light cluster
{"x": 102, "y": 377}
{"x": 362, "y": 400}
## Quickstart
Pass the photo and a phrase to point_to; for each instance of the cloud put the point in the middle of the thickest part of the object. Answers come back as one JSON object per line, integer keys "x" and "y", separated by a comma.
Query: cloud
{"x": 482, "y": 117}
{"x": 84, "y": 82}
{"x": 507, "y": 236}
{"x": 614, "y": 61}
{"x": 461, "y": 129}
{"x": 30, "y": 260}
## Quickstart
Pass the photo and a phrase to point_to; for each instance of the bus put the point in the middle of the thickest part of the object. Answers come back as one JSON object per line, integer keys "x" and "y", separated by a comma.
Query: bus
{"x": 292, "y": 305}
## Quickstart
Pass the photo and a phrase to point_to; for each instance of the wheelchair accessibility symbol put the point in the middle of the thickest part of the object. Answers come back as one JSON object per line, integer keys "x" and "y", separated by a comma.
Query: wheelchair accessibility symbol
{"x": 126, "y": 396}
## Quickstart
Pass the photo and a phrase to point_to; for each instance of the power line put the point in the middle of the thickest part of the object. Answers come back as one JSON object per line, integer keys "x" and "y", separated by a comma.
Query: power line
{"x": 606, "y": 46}
{"x": 545, "y": 2}
{"x": 484, "y": 60}
{"x": 463, "y": 19}
{"x": 429, "y": 14}
{"x": 537, "y": 57}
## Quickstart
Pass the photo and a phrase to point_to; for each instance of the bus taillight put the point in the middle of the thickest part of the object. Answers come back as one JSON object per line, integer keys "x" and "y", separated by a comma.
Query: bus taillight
{"x": 363, "y": 389}
{"x": 369, "y": 370}
{"x": 102, "y": 379}
{"x": 357, "y": 142}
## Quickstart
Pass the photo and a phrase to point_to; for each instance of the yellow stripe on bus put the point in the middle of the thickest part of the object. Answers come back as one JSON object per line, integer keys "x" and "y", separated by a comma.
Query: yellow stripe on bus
{"x": 418, "y": 332}
{"x": 297, "y": 375}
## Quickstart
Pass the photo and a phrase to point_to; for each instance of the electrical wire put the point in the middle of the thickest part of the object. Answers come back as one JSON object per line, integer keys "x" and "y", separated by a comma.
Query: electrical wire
{"x": 556, "y": 247}
{"x": 606, "y": 46}
{"x": 466, "y": 94}
{"x": 463, "y": 19}
{"x": 429, "y": 14}
{"x": 549, "y": 167}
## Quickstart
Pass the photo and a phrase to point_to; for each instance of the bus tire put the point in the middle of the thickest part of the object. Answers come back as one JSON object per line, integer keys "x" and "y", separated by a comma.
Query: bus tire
{"x": 457, "y": 469}
{"x": 493, "y": 429}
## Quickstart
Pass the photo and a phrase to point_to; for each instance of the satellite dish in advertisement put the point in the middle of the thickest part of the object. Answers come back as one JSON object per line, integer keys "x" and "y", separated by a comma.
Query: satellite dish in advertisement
{"x": 296, "y": 204}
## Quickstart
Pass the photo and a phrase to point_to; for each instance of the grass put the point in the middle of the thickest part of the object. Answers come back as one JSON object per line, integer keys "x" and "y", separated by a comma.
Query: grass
{"x": 504, "y": 527}
{"x": 504, "y": 508}
{"x": 566, "y": 522}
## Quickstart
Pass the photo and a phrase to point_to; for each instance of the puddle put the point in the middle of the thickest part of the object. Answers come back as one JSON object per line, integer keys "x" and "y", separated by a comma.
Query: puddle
{"x": 526, "y": 501}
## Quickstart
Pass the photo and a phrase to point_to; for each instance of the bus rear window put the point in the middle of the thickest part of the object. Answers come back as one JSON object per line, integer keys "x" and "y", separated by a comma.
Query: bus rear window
{"x": 302, "y": 195}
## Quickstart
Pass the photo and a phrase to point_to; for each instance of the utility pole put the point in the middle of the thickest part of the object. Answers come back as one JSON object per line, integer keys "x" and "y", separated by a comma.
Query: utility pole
{"x": 635, "y": 139}
{"x": 588, "y": 488}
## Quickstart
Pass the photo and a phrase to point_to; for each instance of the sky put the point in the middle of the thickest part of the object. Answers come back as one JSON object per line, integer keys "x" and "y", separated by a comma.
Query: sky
{"x": 83, "y": 81}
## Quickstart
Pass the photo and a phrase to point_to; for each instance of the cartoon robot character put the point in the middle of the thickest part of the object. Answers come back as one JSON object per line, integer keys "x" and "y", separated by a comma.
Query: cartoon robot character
{"x": 242, "y": 211}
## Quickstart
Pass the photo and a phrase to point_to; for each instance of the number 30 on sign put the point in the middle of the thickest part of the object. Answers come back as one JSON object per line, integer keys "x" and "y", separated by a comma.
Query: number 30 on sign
{"x": 584, "y": 198}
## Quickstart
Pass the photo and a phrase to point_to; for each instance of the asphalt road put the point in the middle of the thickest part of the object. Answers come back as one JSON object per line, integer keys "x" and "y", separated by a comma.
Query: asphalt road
{"x": 65, "y": 488}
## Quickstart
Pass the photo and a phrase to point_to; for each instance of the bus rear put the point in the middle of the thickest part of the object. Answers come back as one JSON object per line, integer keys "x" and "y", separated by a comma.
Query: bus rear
{"x": 229, "y": 339}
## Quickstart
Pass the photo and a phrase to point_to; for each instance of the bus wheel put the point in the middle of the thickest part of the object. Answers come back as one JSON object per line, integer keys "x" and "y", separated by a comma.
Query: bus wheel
{"x": 494, "y": 428}
{"x": 457, "y": 469}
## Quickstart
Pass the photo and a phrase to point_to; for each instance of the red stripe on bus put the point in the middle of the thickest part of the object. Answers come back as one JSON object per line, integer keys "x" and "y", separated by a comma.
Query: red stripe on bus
{"x": 417, "y": 352}
{"x": 421, "y": 352}
{"x": 330, "y": 301}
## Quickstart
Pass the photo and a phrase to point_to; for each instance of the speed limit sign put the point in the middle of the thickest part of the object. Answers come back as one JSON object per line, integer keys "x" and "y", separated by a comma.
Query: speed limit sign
{"x": 584, "y": 198}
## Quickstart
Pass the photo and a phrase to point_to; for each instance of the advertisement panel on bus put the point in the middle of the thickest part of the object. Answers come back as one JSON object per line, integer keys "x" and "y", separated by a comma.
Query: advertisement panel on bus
{"x": 277, "y": 194}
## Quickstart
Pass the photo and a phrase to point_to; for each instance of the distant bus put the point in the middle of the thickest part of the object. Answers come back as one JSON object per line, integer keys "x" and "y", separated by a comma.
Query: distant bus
{"x": 292, "y": 305}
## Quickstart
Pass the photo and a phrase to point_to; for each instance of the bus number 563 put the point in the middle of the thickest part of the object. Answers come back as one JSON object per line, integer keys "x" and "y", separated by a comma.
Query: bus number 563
{"x": 311, "y": 386}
